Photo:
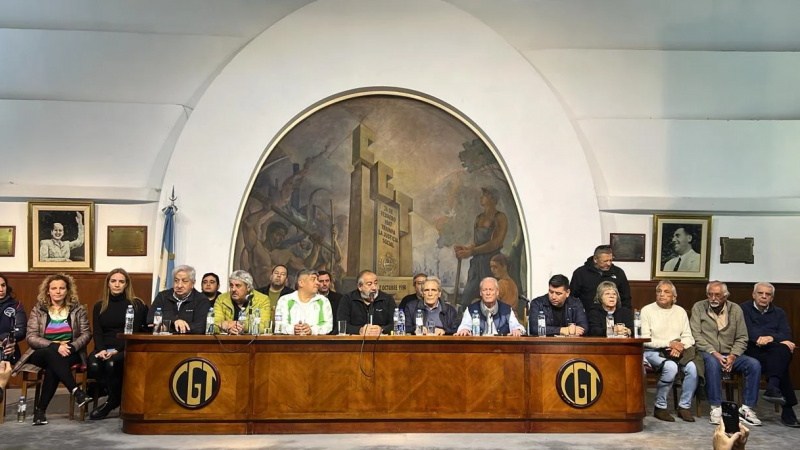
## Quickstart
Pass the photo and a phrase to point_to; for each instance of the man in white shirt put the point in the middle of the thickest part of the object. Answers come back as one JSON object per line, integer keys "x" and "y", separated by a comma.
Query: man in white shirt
{"x": 304, "y": 312}
{"x": 503, "y": 320}
{"x": 667, "y": 326}
{"x": 687, "y": 260}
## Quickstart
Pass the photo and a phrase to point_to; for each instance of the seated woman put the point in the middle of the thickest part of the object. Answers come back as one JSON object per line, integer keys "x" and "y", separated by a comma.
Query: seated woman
{"x": 58, "y": 332}
{"x": 108, "y": 320}
{"x": 12, "y": 314}
{"x": 606, "y": 300}
{"x": 671, "y": 347}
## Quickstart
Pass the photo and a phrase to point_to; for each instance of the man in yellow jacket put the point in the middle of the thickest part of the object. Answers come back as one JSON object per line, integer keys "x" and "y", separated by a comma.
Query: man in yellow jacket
{"x": 241, "y": 300}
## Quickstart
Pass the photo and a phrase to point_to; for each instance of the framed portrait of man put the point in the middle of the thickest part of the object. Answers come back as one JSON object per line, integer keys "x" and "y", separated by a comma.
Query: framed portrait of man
{"x": 681, "y": 247}
{"x": 60, "y": 236}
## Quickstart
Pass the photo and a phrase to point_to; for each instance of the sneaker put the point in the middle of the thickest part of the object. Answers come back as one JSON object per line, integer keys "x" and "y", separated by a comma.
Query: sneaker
{"x": 749, "y": 416}
{"x": 38, "y": 417}
{"x": 716, "y": 415}
{"x": 773, "y": 395}
{"x": 80, "y": 397}
{"x": 788, "y": 418}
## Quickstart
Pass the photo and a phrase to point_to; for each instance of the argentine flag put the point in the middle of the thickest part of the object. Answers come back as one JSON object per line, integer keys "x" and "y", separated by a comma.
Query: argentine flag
{"x": 167, "y": 259}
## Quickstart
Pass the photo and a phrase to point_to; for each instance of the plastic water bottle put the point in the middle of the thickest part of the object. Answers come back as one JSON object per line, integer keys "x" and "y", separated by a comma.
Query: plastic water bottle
{"x": 396, "y": 319}
{"x": 476, "y": 324}
{"x": 402, "y": 325}
{"x": 637, "y": 324}
{"x": 255, "y": 324}
{"x": 157, "y": 318}
{"x": 278, "y": 321}
{"x": 610, "y": 324}
{"x": 129, "y": 320}
{"x": 210, "y": 321}
{"x": 418, "y": 322}
{"x": 541, "y": 325}
{"x": 21, "y": 409}
{"x": 241, "y": 322}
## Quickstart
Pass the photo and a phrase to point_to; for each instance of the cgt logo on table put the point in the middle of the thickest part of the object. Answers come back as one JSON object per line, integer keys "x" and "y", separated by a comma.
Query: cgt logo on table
{"x": 194, "y": 383}
{"x": 579, "y": 383}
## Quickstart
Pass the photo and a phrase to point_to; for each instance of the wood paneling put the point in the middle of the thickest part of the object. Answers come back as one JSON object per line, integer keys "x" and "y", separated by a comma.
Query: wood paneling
{"x": 90, "y": 288}
{"x": 324, "y": 384}
{"x": 787, "y": 297}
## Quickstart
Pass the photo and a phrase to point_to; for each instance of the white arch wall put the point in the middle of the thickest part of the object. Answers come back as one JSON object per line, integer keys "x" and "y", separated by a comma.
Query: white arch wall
{"x": 433, "y": 47}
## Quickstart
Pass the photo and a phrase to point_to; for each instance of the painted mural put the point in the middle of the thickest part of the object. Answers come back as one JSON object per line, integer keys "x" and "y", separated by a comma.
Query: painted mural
{"x": 388, "y": 183}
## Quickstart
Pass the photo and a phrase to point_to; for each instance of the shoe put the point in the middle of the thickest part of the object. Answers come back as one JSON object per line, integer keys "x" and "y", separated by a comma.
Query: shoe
{"x": 101, "y": 412}
{"x": 38, "y": 417}
{"x": 716, "y": 415}
{"x": 80, "y": 397}
{"x": 773, "y": 395}
{"x": 685, "y": 415}
{"x": 663, "y": 414}
{"x": 788, "y": 418}
{"x": 749, "y": 416}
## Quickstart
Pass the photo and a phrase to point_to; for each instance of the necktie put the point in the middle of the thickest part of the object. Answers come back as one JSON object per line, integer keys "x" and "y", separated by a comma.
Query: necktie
{"x": 677, "y": 265}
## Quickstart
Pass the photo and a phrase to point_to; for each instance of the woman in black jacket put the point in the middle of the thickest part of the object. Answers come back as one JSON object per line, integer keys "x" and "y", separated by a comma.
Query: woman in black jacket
{"x": 12, "y": 314}
{"x": 607, "y": 299}
{"x": 108, "y": 320}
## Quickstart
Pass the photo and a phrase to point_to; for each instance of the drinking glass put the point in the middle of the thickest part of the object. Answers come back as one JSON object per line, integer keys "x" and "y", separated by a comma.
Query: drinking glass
{"x": 342, "y": 328}
{"x": 619, "y": 330}
{"x": 431, "y": 327}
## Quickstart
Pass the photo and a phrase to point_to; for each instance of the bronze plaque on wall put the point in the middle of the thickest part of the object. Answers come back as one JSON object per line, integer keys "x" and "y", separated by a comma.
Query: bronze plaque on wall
{"x": 734, "y": 250}
{"x": 127, "y": 240}
{"x": 8, "y": 234}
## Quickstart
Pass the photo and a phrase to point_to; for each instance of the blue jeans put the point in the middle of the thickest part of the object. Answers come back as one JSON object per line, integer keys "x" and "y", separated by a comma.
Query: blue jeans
{"x": 751, "y": 369}
{"x": 668, "y": 374}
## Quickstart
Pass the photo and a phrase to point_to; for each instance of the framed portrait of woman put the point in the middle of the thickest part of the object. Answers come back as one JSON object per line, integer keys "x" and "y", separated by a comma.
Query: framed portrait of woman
{"x": 60, "y": 236}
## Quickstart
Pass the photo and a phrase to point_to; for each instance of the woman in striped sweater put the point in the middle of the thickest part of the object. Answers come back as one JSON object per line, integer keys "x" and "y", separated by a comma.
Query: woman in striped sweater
{"x": 58, "y": 333}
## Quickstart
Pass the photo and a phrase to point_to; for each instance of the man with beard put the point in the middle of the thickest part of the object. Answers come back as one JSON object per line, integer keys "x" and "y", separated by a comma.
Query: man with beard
{"x": 720, "y": 335}
{"x": 367, "y": 310}
{"x": 210, "y": 287}
{"x": 277, "y": 284}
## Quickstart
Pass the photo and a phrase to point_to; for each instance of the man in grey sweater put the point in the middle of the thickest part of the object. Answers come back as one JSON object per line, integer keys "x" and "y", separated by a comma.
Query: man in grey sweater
{"x": 720, "y": 334}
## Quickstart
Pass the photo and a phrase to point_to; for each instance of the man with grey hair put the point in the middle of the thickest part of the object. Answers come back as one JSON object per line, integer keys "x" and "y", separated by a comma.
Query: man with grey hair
{"x": 671, "y": 349}
{"x": 496, "y": 317}
{"x": 241, "y": 299}
{"x": 720, "y": 334}
{"x": 367, "y": 310}
{"x": 443, "y": 316}
{"x": 770, "y": 342}
{"x": 183, "y": 305}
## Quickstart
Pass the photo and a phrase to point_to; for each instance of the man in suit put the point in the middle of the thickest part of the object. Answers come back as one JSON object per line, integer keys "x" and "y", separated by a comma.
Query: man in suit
{"x": 686, "y": 259}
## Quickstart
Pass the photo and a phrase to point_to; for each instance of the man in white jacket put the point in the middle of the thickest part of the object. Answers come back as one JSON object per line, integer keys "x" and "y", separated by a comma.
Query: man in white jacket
{"x": 304, "y": 312}
{"x": 667, "y": 326}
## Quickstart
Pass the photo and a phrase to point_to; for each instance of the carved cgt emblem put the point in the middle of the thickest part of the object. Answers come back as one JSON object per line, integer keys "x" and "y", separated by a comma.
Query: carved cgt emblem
{"x": 579, "y": 383}
{"x": 194, "y": 383}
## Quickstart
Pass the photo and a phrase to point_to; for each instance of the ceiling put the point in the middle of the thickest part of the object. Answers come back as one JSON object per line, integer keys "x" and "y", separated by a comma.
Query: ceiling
{"x": 642, "y": 82}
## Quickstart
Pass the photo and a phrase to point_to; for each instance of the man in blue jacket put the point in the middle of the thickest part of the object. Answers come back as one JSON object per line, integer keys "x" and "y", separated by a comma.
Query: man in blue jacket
{"x": 559, "y": 308}
{"x": 496, "y": 317}
{"x": 769, "y": 341}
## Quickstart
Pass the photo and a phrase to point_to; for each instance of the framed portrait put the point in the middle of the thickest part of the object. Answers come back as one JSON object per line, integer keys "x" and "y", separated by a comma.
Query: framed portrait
{"x": 627, "y": 247}
{"x": 60, "y": 236}
{"x": 681, "y": 247}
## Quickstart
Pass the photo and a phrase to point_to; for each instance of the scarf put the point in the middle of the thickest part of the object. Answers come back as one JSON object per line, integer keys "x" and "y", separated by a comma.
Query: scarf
{"x": 489, "y": 313}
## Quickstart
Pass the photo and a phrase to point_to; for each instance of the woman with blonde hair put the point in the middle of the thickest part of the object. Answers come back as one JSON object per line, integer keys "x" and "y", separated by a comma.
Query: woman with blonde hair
{"x": 108, "y": 321}
{"x": 58, "y": 333}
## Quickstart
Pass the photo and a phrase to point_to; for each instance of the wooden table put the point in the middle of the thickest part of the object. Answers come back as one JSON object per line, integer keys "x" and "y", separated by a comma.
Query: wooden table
{"x": 325, "y": 384}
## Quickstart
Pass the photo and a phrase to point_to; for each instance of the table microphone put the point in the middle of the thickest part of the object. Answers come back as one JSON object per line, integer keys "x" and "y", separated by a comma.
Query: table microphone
{"x": 371, "y": 303}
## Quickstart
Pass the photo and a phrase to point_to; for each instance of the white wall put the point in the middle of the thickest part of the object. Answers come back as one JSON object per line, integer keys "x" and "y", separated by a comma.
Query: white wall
{"x": 775, "y": 251}
{"x": 428, "y": 46}
{"x": 16, "y": 213}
